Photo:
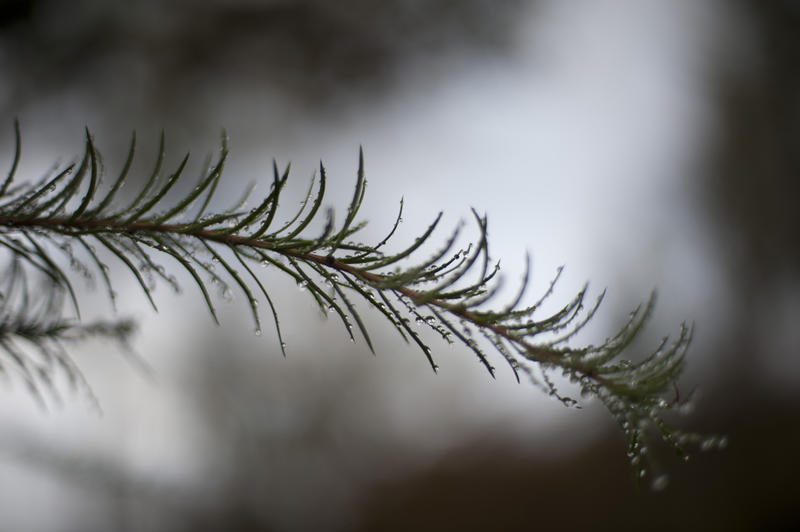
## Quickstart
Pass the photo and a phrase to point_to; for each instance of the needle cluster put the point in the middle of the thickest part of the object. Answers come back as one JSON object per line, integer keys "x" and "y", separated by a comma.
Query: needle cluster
{"x": 78, "y": 210}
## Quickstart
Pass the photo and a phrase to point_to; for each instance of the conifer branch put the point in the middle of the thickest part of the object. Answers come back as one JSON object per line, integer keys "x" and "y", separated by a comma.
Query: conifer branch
{"x": 452, "y": 292}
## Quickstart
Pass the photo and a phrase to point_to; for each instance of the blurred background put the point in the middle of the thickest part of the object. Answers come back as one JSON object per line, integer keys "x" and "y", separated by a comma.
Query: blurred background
{"x": 643, "y": 144}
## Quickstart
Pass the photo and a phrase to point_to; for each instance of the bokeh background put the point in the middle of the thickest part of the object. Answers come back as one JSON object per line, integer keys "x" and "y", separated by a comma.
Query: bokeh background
{"x": 643, "y": 144}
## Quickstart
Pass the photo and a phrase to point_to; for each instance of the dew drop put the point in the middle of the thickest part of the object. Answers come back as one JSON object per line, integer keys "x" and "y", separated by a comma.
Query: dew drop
{"x": 708, "y": 444}
{"x": 258, "y": 331}
{"x": 659, "y": 483}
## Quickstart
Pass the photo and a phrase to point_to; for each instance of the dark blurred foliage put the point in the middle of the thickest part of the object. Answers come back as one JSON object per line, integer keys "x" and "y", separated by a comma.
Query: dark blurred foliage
{"x": 752, "y": 192}
{"x": 168, "y": 59}
{"x": 754, "y": 183}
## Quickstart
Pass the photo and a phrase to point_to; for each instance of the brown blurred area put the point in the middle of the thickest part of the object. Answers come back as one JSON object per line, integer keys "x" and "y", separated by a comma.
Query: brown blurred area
{"x": 177, "y": 56}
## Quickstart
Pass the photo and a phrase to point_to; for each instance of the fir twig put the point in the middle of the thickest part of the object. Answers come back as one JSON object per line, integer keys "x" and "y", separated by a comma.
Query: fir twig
{"x": 440, "y": 292}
